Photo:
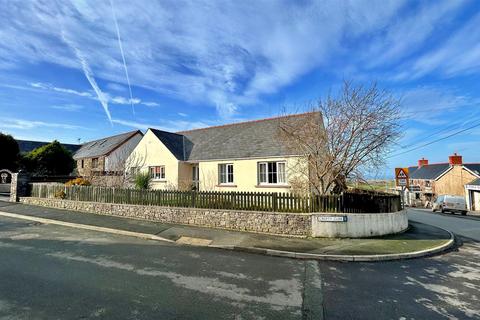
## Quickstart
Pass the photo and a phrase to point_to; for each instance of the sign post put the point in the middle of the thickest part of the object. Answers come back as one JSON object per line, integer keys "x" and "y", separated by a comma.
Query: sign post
{"x": 402, "y": 180}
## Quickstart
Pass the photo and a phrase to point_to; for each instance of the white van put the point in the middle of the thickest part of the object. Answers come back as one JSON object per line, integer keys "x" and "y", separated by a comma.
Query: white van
{"x": 450, "y": 203}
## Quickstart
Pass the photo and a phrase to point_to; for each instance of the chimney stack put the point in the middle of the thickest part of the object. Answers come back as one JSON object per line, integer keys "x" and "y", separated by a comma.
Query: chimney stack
{"x": 455, "y": 159}
{"x": 422, "y": 162}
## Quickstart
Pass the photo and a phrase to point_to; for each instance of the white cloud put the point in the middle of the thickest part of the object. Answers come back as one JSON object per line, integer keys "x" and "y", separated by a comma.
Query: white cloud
{"x": 230, "y": 55}
{"x": 68, "y": 107}
{"x": 459, "y": 54}
{"x": 225, "y": 56}
{"x": 171, "y": 126}
{"x": 29, "y": 124}
{"x": 181, "y": 114}
{"x": 150, "y": 104}
{"x": 428, "y": 104}
{"x": 86, "y": 94}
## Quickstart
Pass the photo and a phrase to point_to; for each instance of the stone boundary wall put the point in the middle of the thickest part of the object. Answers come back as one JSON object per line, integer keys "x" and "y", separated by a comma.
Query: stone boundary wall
{"x": 286, "y": 224}
{"x": 357, "y": 225}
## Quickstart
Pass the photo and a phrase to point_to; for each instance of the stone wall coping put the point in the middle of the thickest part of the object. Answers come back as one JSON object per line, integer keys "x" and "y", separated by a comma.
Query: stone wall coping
{"x": 173, "y": 207}
{"x": 353, "y": 214}
{"x": 229, "y": 210}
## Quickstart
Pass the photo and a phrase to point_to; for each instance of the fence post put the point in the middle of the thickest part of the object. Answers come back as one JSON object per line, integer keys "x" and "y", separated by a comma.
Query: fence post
{"x": 193, "y": 199}
{"x": 275, "y": 201}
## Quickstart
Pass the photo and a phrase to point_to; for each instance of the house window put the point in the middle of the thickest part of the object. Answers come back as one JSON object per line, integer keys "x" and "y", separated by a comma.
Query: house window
{"x": 94, "y": 162}
{"x": 82, "y": 164}
{"x": 134, "y": 171}
{"x": 157, "y": 172}
{"x": 225, "y": 173}
{"x": 271, "y": 173}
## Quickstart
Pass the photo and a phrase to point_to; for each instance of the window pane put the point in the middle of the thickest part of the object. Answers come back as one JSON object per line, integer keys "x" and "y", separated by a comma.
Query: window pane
{"x": 262, "y": 175}
{"x": 222, "y": 175}
{"x": 162, "y": 172}
{"x": 272, "y": 172}
{"x": 230, "y": 173}
{"x": 281, "y": 172}
{"x": 152, "y": 172}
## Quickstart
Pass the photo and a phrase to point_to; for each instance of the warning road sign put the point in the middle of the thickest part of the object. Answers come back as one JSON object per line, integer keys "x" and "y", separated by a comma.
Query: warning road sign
{"x": 401, "y": 177}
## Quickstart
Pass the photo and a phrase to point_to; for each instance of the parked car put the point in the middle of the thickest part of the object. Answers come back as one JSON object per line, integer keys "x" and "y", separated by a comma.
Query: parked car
{"x": 450, "y": 203}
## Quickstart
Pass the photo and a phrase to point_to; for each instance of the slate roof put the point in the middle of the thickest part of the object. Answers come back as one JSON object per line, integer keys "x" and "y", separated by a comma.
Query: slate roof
{"x": 475, "y": 182}
{"x": 104, "y": 146}
{"x": 430, "y": 172}
{"x": 173, "y": 141}
{"x": 27, "y": 146}
{"x": 411, "y": 170}
{"x": 249, "y": 139}
{"x": 474, "y": 167}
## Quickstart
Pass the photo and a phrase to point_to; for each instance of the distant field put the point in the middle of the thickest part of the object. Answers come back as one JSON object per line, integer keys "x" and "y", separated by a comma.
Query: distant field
{"x": 375, "y": 185}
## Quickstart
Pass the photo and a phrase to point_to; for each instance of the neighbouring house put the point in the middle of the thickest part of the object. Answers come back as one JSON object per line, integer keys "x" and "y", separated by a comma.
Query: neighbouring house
{"x": 427, "y": 181}
{"x": 472, "y": 195}
{"x": 246, "y": 156}
{"x": 106, "y": 156}
{"x": 26, "y": 146}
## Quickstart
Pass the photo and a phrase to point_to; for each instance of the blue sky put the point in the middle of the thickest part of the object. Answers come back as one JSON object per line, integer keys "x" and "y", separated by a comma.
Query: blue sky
{"x": 199, "y": 63}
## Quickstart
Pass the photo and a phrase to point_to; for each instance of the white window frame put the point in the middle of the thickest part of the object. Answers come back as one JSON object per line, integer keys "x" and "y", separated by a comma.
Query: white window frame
{"x": 227, "y": 176}
{"x": 157, "y": 176}
{"x": 268, "y": 173}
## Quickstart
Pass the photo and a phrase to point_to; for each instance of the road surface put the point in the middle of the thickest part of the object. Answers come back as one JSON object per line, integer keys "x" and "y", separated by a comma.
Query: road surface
{"x": 51, "y": 272}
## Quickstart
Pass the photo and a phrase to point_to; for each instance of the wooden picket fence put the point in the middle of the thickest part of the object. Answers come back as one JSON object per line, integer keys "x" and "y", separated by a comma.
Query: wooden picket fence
{"x": 255, "y": 201}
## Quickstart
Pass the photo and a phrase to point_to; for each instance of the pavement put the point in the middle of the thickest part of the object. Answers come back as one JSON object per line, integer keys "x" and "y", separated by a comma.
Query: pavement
{"x": 419, "y": 238}
{"x": 54, "y": 272}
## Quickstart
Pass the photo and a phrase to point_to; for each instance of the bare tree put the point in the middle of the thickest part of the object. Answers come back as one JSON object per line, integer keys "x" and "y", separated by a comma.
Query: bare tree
{"x": 344, "y": 136}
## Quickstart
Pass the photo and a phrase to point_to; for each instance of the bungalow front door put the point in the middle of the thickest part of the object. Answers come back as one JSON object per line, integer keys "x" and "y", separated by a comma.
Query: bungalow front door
{"x": 195, "y": 177}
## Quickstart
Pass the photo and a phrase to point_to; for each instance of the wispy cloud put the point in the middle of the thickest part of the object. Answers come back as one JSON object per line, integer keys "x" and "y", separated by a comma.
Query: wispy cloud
{"x": 89, "y": 75}
{"x": 172, "y": 126}
{"x": 459, "y": 54}
{"x": 117, "y": 29}
{"x": 111, "y": 99}
{"x": 68, "y": 107}
{"x": 32, "y": 124}
{"x": 230, "y": 56}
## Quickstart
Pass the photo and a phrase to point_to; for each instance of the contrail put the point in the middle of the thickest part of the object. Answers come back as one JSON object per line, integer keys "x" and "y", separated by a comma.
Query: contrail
{"x": 123, "y": 55}
{"x": 89, "y": 75}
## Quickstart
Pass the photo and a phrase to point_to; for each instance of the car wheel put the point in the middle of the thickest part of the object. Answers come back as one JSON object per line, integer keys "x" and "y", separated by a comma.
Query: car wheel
{"x": 464, "y": 213}
{"x": 443, "y": 211}
{"x": 434, "y": 210}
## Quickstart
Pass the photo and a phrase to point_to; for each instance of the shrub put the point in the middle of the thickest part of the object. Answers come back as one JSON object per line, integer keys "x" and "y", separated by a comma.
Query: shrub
{"x": 60, "y": 194}
{"x": 78, "y": 182}
{"x": 10, "y": 152}
{"x": 50, "y": 159}
{"x": 142, "y": 180}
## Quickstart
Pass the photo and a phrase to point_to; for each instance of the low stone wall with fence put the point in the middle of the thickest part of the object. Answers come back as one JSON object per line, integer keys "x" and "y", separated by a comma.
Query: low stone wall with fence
{"x": 287, "y": 224}
{"x": 343, "y": 216}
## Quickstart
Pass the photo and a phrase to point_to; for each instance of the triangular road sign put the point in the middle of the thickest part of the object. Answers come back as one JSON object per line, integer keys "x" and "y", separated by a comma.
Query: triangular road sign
{"x": 401, "y": 174}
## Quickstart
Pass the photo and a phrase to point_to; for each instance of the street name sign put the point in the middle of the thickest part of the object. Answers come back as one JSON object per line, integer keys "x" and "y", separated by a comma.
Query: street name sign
{"x": 332, "y": 218}
{"x": 401, "y": 177}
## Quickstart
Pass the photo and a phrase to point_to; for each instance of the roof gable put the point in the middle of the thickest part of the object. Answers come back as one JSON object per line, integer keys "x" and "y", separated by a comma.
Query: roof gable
{"x": 172, "y": 141}
{"x": 104, "y": 146}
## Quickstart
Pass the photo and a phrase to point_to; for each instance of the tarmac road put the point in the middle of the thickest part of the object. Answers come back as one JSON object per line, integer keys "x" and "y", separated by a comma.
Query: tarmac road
{"x": 53, "y": 272}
